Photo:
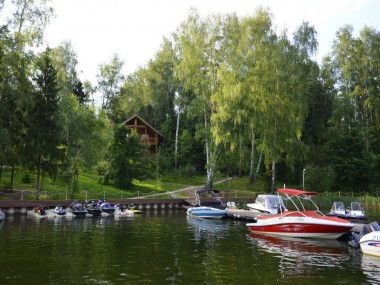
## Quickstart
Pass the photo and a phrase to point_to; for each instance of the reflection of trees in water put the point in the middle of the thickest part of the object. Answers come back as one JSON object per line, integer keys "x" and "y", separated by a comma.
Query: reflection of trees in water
{"x": 303, "y": 257}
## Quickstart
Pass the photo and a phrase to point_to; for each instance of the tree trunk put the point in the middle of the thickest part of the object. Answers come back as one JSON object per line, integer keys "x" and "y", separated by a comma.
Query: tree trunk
{"x": 240, "y": 157}
{"x": 259, "y": 164}
{"x": 176, "y": 140}
{"x": 252, "y": 165}
{"x": 38, "y": 177}
{"x": 274, "y": 156}
{"x": 12, "y": 176}
{"x": 273, "y": 180}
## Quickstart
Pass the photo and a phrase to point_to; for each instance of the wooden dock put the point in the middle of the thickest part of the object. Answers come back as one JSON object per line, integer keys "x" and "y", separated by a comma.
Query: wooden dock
{"x": 241, "y": 214}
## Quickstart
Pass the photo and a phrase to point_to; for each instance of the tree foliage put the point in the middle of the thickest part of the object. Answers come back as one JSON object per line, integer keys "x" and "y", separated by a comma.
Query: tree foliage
{"x": 127, "y": 160}
{"x": 227, "y": 93}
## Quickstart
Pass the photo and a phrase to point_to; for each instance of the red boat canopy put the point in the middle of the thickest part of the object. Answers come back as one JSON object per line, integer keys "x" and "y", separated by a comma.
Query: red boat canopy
{"x": 295, "y": 192}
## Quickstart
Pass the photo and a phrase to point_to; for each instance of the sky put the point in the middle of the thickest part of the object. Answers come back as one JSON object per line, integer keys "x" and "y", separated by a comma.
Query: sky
{"x": 134, "y": 30}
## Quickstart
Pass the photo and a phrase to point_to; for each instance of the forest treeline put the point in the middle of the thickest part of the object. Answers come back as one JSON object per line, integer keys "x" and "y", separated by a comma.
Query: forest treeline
{"x": 228, "y": 94}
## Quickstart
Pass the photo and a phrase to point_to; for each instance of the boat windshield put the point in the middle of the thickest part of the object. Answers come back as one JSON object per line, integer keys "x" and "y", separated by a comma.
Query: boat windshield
{"x": 268, "y": 201}
{"x": 274, "y": 201}
{"x": 338, "y": 206}
{"x": 355, "y": 206}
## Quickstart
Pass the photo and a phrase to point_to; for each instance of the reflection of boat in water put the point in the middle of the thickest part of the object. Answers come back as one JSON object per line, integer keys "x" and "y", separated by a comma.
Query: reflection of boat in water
{"x": 300, "y": 223}
{"x": 371, "y": 268}
{"x": 302, "y": 256}
{"x": 210, "y": 205}
{"x": 206, "y": 227}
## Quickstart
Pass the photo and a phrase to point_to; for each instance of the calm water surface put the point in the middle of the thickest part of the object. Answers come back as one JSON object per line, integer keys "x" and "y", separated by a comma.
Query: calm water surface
{"x": 165, "y": 247}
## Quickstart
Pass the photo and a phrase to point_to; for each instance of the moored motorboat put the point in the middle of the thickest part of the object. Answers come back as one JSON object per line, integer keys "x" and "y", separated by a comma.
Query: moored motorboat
{"x": 93, "y": 208}
{"x": 132, "y": 207}
{"x": 266, "y": 203}
{"x": 123, "y": 211}
{"x": 370, "y": 243}
{"x": 300, "y": 222}
{"x": 58, "y": 211}
{"x": 210, "y": 205}
{"x": 77, "y": 209}
{"x": 368, "y": 239}
{"x": 106, "y": 207}
{"x": 354, "y": 212}
{"x": 38, "y": 212}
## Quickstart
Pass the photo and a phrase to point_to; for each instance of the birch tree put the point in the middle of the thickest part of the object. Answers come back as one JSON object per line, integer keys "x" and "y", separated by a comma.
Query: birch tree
{"x": 200, "y": 41}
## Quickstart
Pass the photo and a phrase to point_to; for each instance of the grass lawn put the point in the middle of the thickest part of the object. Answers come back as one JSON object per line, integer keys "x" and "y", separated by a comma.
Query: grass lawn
{"x": 89, "y": 186}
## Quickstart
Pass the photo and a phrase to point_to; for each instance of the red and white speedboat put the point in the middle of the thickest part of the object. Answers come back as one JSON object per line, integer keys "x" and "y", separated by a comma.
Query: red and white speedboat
{"x": 300, "y": 222}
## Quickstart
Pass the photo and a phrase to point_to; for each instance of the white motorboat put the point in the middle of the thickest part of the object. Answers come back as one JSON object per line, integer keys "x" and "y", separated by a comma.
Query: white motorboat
{"x": 354, "y": 212}
{"x": 300, "y": 222}
{"x": 123, "y": 211}
{"x": 368, "y": 239}
{"x": 266, "y": 203}
{"x": 210, "y": 205}
{"x": 370, "y": 243}
{"x": 58, "y": 211}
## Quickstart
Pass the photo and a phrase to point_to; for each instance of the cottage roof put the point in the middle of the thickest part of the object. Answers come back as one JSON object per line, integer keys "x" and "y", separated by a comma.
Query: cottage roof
{"x": 145, "y": 122}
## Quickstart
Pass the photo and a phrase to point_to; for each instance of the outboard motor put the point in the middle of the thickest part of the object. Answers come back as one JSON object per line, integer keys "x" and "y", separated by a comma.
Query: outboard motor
{"x": 355, "y": 238}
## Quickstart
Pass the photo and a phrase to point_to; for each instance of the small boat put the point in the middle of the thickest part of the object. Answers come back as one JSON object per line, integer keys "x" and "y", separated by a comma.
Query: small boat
{"x": 266, "y": 203}
{"x": 354, "y": 212}
{"x": 38, "y": 212}
{"x": 77, "y": 209}
{"x": 59, "y": 210}
{"x": 2, "y": 216}
{"x": 93, "y": 208}
{"x": 210, "y": 205}
{"x": 132, "y": 207}
{"x": 300, "y": 223}
{"x": 368, "y": 239}
{"x": 123, "y": 211}
{"x": 106, "y": 207}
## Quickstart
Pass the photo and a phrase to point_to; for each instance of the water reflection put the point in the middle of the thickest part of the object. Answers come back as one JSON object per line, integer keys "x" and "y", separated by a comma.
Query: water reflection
{"x": 371, "y": 268}
{"x": 204, "y": 228}
{"x": 300, "y": 257}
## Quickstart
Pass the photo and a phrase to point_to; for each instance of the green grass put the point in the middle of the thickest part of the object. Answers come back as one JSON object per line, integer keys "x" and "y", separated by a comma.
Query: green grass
{"x": 90, "y": 188}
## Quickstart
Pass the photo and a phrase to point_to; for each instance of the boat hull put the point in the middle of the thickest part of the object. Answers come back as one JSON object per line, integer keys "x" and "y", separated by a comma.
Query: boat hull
{"x": 348, "y": 216}
{"x": 370, "y": 243}
{"x": 36, "y": 215}
{"x": 206, "y": 212}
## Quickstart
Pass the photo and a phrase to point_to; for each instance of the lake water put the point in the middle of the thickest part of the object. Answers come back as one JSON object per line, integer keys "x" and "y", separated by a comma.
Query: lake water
{"x": 165, "y": 247}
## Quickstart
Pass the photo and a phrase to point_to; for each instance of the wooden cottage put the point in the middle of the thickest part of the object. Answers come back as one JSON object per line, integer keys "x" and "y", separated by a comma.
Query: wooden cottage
{"x": 148, "y": 134}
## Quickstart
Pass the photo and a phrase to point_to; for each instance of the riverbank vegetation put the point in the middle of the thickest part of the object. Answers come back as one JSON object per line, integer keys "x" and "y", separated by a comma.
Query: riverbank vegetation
{"x": 230, "y": 96}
